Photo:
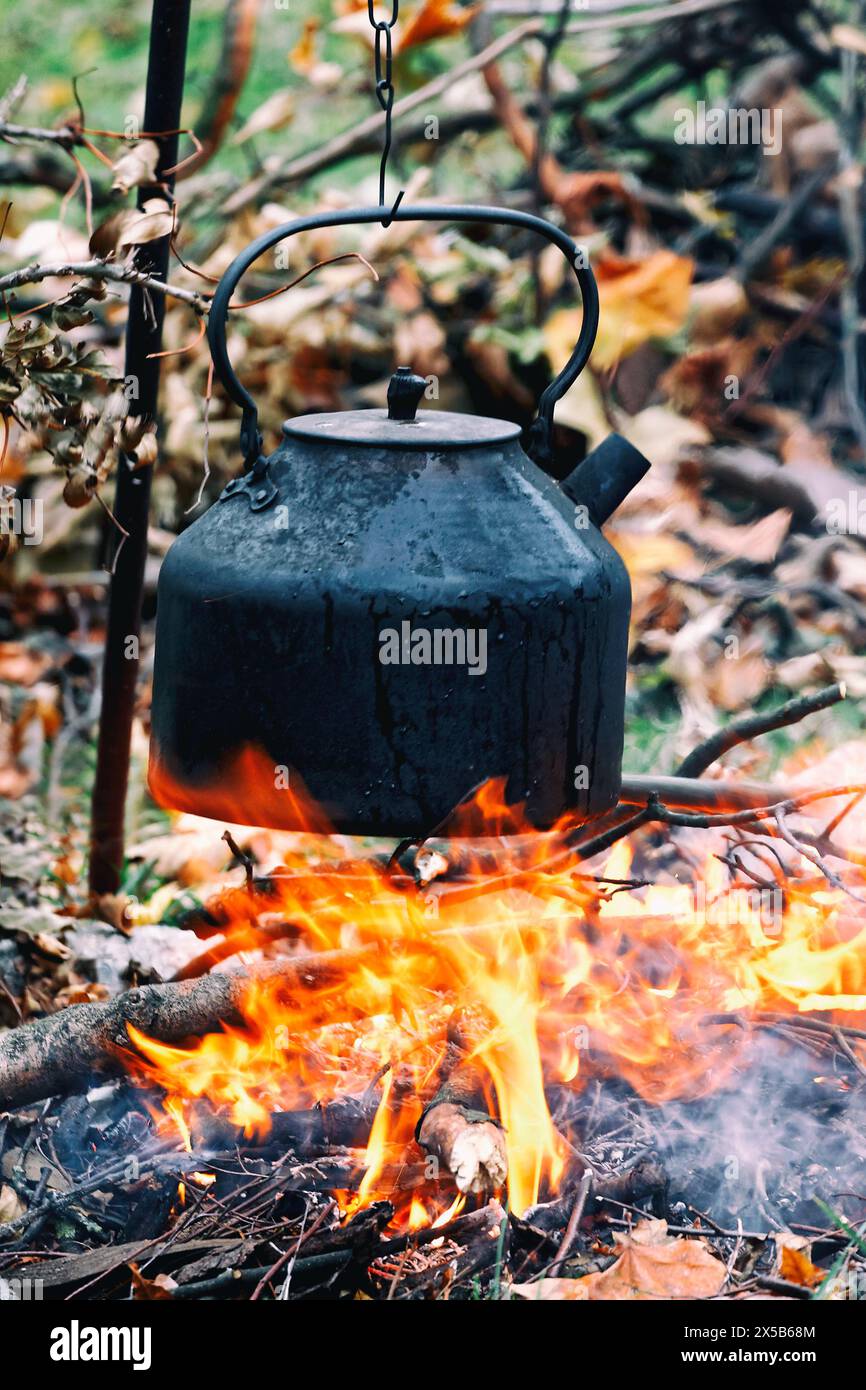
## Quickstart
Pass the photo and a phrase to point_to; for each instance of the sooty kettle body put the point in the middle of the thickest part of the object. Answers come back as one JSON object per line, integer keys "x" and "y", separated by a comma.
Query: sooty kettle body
{"x": 393, "y": 607}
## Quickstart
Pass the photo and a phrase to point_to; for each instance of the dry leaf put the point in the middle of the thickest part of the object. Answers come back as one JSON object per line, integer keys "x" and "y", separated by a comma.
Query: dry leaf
{"x": 303, "y": 57}
{"x": 112, "y": 908}
{"x": 640, "y": 300}
{"x": 132, "y": 227}
{"x": 797, "y": 1268}
{"x": 715, "y": 307}
{"x": 161, "y": 1287}
{"x": 436, "y": 19}
{"x": 11, "y": 1205}
{"x": 135, "y": 166}
{"x": 51, "y": 947}
{"x": 697, "y": 383}
{"x": 650, "y": 554}
{"x": 757, "y": 542}
{"x": 652, "y": 1265}
{"x": 273, "y": 114}
{"x": 656, "y": 1265}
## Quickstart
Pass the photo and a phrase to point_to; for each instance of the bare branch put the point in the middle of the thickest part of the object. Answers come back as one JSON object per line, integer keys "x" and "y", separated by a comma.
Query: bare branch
{"x": 751, "y": 725}
{"x": 100, "y": 270}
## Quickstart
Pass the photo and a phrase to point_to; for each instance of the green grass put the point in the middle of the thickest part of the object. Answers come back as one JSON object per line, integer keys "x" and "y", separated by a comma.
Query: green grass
{"x": 109, "y": 43}
{"x": 106, "y": 45}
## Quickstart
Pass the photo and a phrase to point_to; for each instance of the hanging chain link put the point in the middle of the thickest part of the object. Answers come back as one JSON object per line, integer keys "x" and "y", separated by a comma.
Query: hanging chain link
{"x": 384, "y": 53}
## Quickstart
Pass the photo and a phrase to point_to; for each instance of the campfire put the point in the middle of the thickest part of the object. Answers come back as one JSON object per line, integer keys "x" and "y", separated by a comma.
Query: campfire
{"x": 467, "y": 1012}
{"x": 455, "y": 1001}
{"x": 465, "y": 1050}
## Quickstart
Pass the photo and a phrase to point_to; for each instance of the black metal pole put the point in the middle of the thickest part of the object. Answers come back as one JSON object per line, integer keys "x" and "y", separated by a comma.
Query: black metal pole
{"x": 165, "y": 72}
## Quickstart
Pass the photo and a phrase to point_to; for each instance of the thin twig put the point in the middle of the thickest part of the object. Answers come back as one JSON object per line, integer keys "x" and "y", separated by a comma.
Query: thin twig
{"x": 750, "y": 726}
{"x": 99, "y": 270}
{"x": 574, "y": 1220}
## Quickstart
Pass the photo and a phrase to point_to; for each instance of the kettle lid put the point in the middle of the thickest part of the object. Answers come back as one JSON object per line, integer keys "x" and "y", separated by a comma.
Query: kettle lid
{"x": 399, "y": 426}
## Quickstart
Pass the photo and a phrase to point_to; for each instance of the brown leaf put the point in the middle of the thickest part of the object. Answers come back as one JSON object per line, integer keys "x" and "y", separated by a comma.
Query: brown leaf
{"x": 273, "y": 114}
{"x": 757, "y": 542}
{"x": 696, "y": 382}
{"x": 797, "y": 1268}
{"x": 11, "y": 1205}
{"x": 107, "y": 236}
{"x": 148, "y": 1290}
{"x": 436, "y": 19}
{"x": 135, "y": 166}
{"x": 112, "y": 908}
{"x": 132, "y": 227}
{"x": 652, "y": 1265}
{"x": 656, "y": 1265}
{"x": 51, "y": 946}
{"x": 639, "y": 300}
{"x": 303, "y": 57}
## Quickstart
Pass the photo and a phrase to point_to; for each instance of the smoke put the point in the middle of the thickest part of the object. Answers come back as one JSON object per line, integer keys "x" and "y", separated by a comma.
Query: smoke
{"x": 783, "y": 1130}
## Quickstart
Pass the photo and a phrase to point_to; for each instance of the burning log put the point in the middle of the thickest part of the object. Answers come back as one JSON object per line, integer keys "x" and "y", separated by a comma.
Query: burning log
{"x": 63, "y": 1053}
{"x": 345, "y": 1122}
{"x": 469, "y": 1143}
{"x": 456, "y": 1128}
{"x": 645, "y": 1178}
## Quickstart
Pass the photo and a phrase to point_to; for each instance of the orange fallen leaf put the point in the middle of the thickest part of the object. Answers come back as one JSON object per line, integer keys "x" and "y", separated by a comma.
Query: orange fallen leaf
{"x": 147, "y": 1290}
{"x": 797, "y": 1268}
{"x": 682, "y": 1267}
{"x": 436, "y": 19}
{"x": 303, "y": 56}
{"x": 652, "y": 1265}
{"x": 646, "y": 554}
{"x": 639, "y": 300}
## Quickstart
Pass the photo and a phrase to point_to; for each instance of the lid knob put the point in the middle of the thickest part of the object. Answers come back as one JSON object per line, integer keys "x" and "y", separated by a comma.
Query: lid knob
{"x": 405, "y": 390}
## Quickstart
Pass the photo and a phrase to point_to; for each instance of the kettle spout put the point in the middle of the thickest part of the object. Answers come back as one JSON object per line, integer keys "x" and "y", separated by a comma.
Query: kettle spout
{"x": 605, "y": 477}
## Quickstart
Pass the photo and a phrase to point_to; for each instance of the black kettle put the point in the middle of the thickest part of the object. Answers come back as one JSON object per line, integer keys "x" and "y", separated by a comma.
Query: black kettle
{"x": 395, "y": 606}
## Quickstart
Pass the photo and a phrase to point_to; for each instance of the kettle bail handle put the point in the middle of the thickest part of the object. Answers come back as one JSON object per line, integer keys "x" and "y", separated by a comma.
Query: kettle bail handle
{"x": 540, "y": 431}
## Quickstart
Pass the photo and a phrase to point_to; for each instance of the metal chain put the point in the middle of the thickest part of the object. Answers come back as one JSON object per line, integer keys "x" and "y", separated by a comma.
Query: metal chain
{"x": 384, "y": 89}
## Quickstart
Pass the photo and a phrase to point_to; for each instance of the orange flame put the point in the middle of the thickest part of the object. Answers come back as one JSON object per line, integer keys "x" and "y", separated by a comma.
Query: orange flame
{"x": 643, "y": 985}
